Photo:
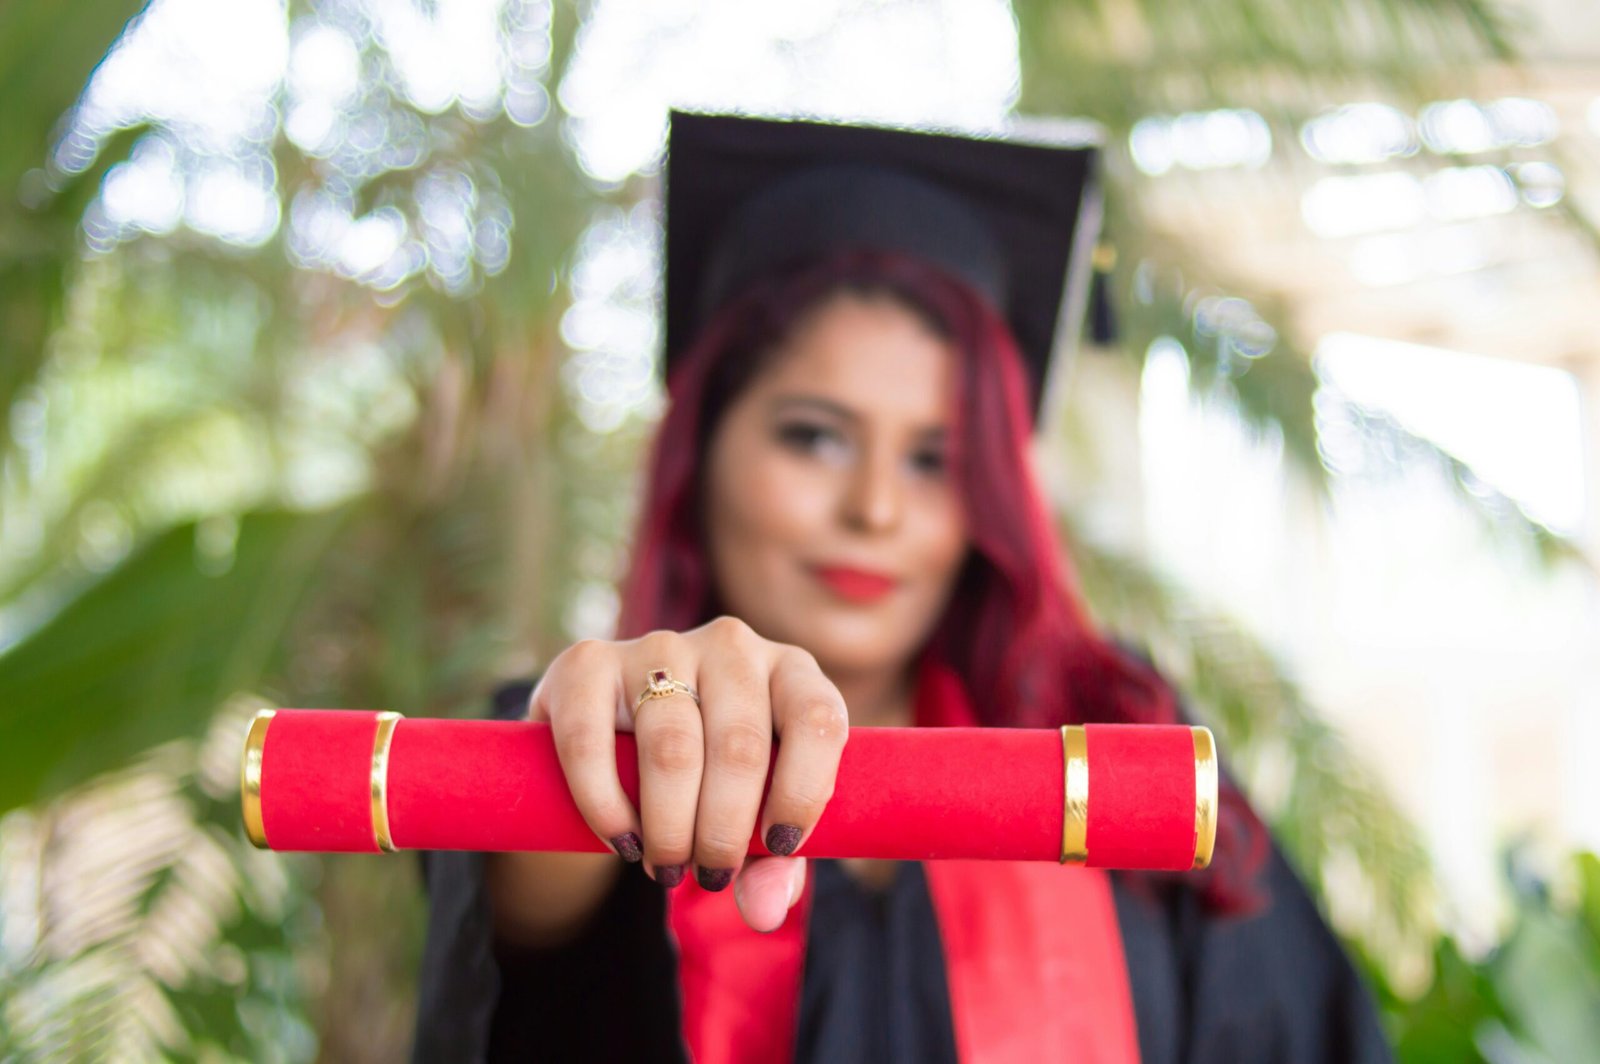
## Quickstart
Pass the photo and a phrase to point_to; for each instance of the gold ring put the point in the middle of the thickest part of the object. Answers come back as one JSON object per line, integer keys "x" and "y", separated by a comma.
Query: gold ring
{"x": 660, "y": 684}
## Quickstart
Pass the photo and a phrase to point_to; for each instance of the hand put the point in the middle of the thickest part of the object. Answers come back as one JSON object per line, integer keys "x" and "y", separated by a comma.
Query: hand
{"x": 701, "y": 768}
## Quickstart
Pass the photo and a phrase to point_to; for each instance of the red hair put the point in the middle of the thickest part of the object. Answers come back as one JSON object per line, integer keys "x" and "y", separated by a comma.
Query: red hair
{"x": 1016, "y": 624}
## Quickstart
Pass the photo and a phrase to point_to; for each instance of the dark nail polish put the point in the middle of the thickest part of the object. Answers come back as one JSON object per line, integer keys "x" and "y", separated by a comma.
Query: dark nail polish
{"x": 782, "y": 839}
{"x": 670, "y": 875}
{"x": 713, "y": 878}
{"x": 628, "y": 845}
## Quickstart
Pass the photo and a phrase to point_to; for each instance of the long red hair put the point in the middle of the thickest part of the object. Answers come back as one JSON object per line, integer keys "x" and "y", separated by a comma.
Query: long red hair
{"x": 1016, "y": 624}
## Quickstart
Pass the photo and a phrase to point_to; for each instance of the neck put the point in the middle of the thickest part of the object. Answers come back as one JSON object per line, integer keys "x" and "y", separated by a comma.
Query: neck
{"x": 877, "y": 699}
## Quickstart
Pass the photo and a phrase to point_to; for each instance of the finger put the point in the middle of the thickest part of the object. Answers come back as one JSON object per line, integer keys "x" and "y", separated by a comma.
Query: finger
{"x": 812, "y": 725}
{"x": 671, "y": 745}
{"x": 768, "y": 888}
{"x": 578, "y": 696}
{"x": 738, "y": 724}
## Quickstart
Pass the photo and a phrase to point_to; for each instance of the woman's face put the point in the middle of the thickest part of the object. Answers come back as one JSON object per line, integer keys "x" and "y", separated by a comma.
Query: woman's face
{"x": 833, "y": 519}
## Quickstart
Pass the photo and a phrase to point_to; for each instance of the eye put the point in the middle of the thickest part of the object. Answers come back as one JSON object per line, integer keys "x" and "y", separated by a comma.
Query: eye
{"x": 930, "y": 461}
{"x": 809, "y": 438}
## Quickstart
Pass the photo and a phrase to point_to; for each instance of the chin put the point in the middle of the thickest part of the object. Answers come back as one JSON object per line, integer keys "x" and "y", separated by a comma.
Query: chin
{"x": 842, "y": 636}
{"x": 854, "y": 644}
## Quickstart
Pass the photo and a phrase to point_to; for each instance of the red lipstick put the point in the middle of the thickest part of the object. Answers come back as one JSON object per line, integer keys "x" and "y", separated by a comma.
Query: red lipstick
{"x": 857, "y": 585}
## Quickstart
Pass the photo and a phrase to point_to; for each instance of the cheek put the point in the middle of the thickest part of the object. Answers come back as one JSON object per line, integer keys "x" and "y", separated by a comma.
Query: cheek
{"x": 762, "y": 502}
{"x": 943, "y": 539}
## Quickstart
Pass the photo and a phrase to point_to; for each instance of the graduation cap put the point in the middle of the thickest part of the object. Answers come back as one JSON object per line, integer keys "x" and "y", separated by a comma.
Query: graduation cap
{"x": 1015, "y": 217}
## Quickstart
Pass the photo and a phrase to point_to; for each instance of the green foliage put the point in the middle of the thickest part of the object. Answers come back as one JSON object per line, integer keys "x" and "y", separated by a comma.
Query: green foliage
{"x": 1535, "y": 997}
{"x": 154, "y": 930}
{"x": 44, "y": 62}
{"x": 1121, "y": 61}
{"x": 148, "y": 652}
{"x": 176, "y": 399}
{"x": 1441, "y": 1027}
{"x": 1547, "y": 977}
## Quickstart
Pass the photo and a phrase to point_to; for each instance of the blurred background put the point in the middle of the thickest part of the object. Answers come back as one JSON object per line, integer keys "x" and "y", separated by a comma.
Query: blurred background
{"x": 328, "y": 344}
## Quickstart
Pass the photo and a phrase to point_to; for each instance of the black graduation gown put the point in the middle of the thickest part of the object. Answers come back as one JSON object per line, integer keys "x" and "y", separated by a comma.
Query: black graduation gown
{"x": 1276, "y": 987}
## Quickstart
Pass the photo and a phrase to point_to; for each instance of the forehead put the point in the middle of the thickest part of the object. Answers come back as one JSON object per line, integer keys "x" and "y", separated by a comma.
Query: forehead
{"x": 871, "y": 353}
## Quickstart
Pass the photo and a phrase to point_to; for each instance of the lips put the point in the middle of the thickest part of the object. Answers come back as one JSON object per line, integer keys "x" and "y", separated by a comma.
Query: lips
{"x": 857, "y": 585}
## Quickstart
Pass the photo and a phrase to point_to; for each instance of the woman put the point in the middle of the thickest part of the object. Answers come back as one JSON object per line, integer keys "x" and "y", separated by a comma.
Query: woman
{"x": 840, "y": 529}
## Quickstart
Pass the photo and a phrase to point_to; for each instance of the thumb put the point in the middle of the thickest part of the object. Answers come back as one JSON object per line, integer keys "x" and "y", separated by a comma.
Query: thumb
{"x": 767, "y": 888}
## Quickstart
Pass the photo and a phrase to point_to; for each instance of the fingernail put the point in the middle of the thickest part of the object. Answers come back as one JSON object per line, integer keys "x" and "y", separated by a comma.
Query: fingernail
{"x": 628, "y": 846}
{"x": 782, "y": 839}
{"x": 670, "y": 875}
{"x": 713, "y": 878}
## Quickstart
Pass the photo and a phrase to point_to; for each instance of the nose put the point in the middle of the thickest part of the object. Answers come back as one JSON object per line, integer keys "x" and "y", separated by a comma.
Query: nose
{"x": 874, "y": 500}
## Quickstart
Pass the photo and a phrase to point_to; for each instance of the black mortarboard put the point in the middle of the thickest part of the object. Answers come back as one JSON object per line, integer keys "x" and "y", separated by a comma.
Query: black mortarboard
{"x": 1015, "y": 218}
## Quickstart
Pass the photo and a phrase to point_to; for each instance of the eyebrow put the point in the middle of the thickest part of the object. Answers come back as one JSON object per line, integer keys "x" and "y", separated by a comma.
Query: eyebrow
{"x": 838, "y": 410}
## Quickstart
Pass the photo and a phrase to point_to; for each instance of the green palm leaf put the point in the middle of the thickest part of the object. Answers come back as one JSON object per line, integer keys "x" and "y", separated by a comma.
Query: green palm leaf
{"x": 147, "y": 653}
{"x": 140, "y": 926}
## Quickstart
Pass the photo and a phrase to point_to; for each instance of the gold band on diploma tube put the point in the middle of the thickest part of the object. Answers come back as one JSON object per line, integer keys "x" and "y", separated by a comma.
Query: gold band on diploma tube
{"x": 1205, "y": 795}
{"x": 255, "y": 742}
{"x": 1075, "y": 791}
{"x": 380, "y": 780}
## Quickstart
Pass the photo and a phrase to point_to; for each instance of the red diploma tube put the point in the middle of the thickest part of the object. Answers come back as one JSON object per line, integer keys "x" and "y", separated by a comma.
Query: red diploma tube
{"x": 1134, "y": 796}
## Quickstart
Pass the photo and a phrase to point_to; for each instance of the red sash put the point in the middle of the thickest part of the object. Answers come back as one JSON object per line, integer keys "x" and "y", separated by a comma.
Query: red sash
{"x": 1033, "y": 954}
